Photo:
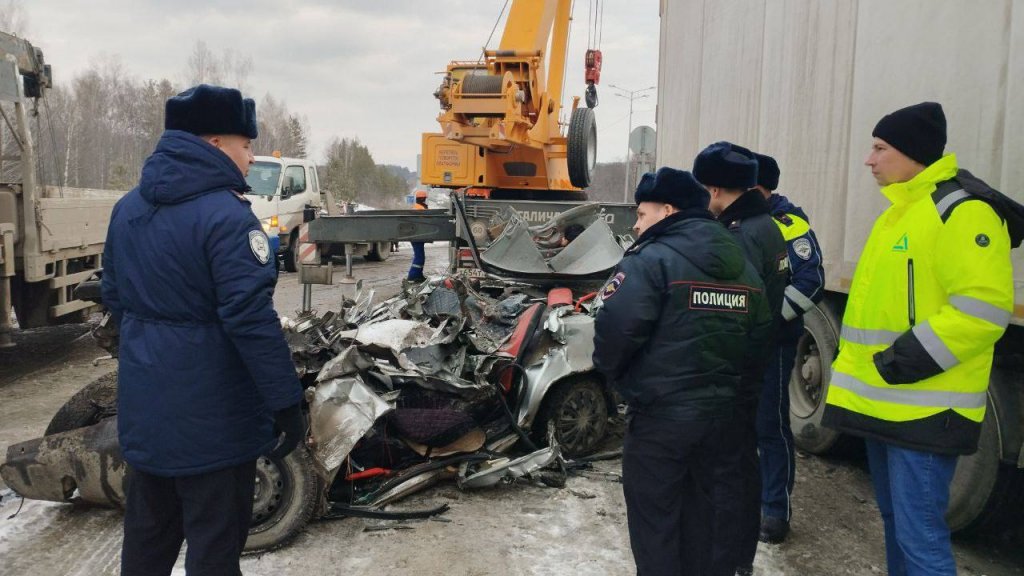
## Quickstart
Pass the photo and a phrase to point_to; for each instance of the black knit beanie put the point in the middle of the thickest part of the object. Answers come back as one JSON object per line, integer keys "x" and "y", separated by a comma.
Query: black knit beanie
{"x": 918, "y": 131}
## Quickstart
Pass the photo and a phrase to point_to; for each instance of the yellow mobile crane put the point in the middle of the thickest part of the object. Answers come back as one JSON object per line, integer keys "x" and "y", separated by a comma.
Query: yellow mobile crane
{"x": 500, "y": 132}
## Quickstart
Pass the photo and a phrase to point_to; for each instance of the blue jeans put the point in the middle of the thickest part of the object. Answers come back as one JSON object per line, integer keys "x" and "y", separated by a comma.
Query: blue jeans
{"x": 774, "y": 435}
{"x": 912, "y": 490}
{"x": 419, "y": 258}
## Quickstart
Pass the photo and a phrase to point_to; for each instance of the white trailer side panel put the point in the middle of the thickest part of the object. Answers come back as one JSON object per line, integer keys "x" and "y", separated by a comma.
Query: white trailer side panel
{"x": 806, "y": 81}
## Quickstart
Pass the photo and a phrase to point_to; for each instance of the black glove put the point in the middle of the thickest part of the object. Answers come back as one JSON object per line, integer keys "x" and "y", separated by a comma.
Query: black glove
{"x": 107, "y": 335}
{"x": 290, "y": 425}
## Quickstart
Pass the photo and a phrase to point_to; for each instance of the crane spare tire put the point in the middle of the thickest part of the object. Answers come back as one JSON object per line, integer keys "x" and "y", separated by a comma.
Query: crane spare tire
{"x": 582, "y": 147}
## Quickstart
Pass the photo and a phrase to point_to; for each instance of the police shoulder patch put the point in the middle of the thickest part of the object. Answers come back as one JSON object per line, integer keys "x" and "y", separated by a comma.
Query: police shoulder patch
{"x": 803, "y": 248}
{"x": 719, "y": 298}
{"x": 612, "y": 286}
{"x": 260, "y": 246}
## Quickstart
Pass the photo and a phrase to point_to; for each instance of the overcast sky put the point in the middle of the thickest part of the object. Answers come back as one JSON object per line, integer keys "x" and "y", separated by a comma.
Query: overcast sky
{"x": 363, "y": 69}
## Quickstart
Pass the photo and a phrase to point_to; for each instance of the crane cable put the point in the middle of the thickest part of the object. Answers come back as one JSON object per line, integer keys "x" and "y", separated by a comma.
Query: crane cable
{"x": 565, "y": 69}
{"x": 59, "y": 175}
{"x": 595, "y": 24}
{"x": 496, "y": 22}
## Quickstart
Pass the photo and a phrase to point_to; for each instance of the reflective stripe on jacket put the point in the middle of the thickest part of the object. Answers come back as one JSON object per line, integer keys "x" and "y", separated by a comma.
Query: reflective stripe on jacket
{"x": 928, "y": 301}
{"x": 806, "y": 275}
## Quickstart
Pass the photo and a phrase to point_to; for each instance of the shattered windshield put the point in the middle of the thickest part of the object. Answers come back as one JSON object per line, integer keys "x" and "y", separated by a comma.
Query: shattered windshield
{"x": 263, "y": 178}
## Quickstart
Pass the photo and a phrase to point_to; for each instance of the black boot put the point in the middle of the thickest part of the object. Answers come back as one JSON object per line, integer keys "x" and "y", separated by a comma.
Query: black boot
{"x": 774, "y": 530}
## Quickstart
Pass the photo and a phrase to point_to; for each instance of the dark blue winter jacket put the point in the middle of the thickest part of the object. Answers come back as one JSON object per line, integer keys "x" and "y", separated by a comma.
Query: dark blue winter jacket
{"x": 682, "y": 321}
{"x": 203, "y": 361}
{"x": 806, "y": 285}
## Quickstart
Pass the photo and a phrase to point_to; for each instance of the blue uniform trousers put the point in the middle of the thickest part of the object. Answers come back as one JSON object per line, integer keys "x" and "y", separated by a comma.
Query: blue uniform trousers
{"x": 774, "y": 435}
{"x": 212, "y": 511}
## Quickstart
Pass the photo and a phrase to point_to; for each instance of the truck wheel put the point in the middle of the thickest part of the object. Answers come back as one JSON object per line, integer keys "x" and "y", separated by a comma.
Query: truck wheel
{"x": 96, "y": 401}
{"x": 379, "y": 252}
{"x": 579, "y": 411}
{"x": 582, "y": 147}
{"x": 291, "y": 256}
{"x": 285, "y": 500}
{"x": 808, "y": 385}
{"x": 985, "y": 493}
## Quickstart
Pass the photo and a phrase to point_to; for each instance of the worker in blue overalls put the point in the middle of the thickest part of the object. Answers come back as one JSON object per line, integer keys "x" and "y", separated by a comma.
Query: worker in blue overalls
{"x": 419, "y": 256}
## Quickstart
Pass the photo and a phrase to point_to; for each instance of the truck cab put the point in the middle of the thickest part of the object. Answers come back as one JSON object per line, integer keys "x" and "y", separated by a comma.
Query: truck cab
{"x": 285, "y": 193}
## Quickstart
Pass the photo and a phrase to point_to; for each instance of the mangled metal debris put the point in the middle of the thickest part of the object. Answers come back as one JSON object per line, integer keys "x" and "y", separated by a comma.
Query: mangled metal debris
{"x": 449, "y": 380}
{"x": 544, "y": 251}
{"x": 419, "y": 382}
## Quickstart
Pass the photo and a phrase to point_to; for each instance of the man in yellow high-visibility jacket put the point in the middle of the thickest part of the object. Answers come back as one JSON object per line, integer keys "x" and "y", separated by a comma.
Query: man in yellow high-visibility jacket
{"x": 932, "y": 293}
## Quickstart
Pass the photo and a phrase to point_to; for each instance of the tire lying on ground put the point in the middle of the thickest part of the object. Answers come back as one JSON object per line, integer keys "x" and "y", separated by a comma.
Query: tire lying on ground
{"x": 578, "y": 410}
{"x": 94, "y": 402}
{"x": 287, "y": 491}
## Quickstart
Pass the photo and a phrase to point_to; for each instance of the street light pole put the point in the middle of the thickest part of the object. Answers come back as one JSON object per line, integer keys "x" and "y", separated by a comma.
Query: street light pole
{"x": 632, "y": 95}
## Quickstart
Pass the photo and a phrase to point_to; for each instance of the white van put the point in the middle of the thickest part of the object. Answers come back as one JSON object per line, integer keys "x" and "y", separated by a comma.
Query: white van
{"x": 284, "y": 192}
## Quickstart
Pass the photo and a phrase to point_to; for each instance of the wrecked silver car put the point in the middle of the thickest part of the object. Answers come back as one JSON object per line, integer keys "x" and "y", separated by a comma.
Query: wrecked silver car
{"x": 473, "y": 379}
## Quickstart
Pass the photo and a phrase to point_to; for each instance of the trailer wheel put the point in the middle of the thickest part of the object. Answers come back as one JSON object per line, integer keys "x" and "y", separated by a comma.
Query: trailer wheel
{"x": 285, "y": 500}
{"x": 96, "y": 401}
{"x": 985, "y": 493}
{"x": 379, "y": 252}
{"x": 582, "y": 147}
{"x": 578, "y": 409}
{"x": 808, "y": 385}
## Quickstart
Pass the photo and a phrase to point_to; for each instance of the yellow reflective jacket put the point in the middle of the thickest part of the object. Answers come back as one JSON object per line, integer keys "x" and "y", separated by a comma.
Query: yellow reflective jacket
{"x": 932, "y": 293}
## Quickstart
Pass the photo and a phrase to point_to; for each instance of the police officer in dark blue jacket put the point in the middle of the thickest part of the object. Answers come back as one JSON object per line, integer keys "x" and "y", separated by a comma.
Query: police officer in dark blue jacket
{"x": 673, "y": 334}
{"x": 805, "y": 288}
{"x": 205, "y": 375}
{"x": 729, "y": 172}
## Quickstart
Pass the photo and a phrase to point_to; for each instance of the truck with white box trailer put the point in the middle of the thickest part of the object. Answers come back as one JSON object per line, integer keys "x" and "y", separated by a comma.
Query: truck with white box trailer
{"x": 805, "y": 81}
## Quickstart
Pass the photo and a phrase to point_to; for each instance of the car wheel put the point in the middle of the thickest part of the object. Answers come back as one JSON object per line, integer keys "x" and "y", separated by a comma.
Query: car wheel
{"x": 578, "y": 411}
{"x": 286, "y": 498}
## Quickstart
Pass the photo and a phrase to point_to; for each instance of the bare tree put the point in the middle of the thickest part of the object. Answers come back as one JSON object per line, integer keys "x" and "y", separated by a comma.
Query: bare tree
{"x": 13, "y": 18}
{"x": 236, "y": 69}
{"x": 203, "y": 66}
